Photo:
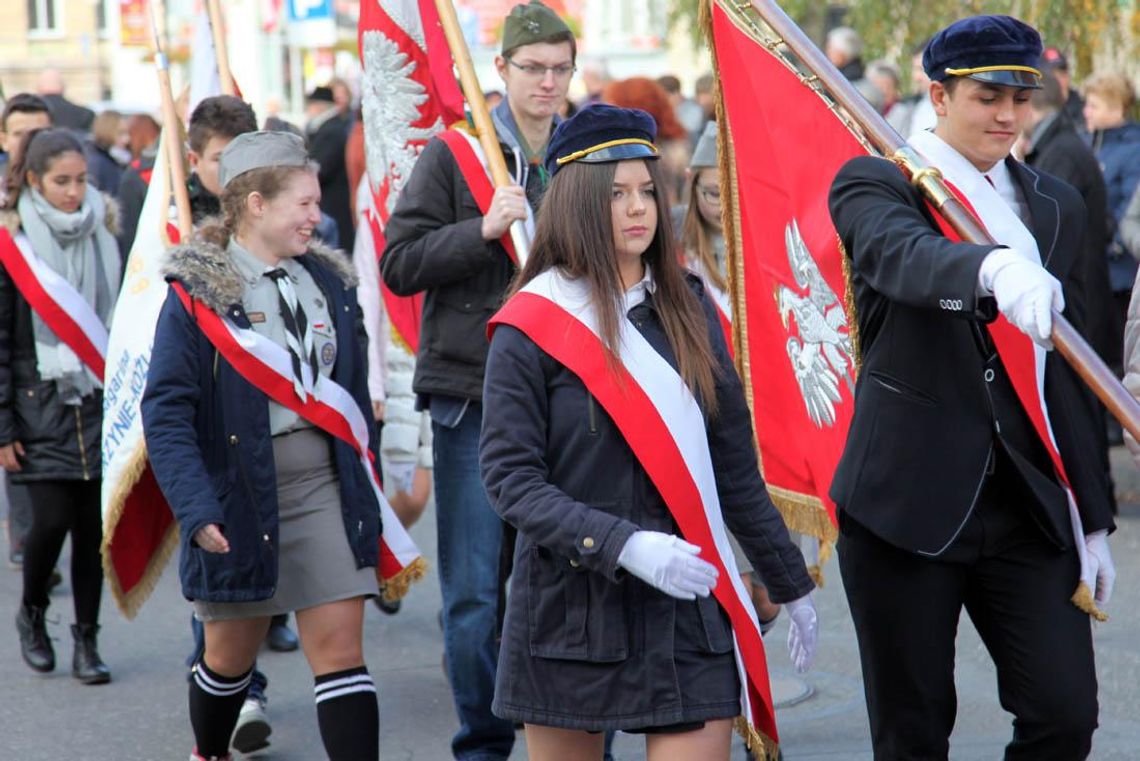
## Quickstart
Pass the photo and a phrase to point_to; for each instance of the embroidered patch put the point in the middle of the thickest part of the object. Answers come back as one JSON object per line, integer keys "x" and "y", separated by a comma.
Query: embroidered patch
{"x": 328, "y": 353}
{"x": 255, "y": 317}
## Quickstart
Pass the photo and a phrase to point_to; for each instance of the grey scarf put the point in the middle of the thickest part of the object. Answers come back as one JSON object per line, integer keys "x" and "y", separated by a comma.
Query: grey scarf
{"x": 80, "y": 248}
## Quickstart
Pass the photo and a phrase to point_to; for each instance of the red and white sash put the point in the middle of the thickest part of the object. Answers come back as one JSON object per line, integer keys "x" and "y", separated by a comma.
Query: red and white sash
{"x": 1023, "y": 360}
{"x": 721, "y": 301}
{"x": 57, "y": 303}
{"x": 330, "y": 407}
{"x": 663, "y": 425}
{"x": 473, "y": 166}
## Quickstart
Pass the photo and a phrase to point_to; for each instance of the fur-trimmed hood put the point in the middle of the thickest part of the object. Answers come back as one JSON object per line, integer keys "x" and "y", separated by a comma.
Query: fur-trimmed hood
{"x": 209, "y": 274}
{"x": 10, "y": 218}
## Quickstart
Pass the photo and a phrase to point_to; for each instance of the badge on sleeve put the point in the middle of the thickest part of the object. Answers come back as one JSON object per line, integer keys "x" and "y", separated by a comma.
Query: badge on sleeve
{"x": 328, "y": 353}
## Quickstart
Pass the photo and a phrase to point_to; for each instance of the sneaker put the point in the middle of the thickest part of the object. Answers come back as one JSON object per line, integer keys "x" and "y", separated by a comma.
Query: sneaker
{"x": 252, "y": 730}
{"x": 281, "y": 638}
{"x": 16, "y": 558}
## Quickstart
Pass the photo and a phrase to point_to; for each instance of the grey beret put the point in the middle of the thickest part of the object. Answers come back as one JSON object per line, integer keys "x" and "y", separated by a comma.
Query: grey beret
{"x": 705, "y": 154}
{"x": 256, "y": 150}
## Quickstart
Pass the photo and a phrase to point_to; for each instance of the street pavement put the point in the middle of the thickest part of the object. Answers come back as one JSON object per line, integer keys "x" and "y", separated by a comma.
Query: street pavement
{"x": 141, "y": 715}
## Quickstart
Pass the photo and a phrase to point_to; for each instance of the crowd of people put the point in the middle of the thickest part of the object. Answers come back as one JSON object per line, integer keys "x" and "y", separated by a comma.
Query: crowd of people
{"x": 558, "y": 542}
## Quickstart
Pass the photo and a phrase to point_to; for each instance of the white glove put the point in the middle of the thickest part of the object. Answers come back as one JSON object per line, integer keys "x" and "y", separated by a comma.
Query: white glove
{"x": 1102, "y": 572}
{"x": 1026, "y": 293}
{"x": 668, "y": 563}
{"x": 803, "y": 632}
{"x": 401, "y": 474}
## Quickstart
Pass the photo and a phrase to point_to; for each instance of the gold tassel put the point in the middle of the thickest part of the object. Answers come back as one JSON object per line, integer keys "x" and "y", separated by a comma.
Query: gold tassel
{"x": 1083, "y": 599}
{"x": 396, "y": 588}
{"x": 762, "y": 747}
{"x": 130, "y": 602}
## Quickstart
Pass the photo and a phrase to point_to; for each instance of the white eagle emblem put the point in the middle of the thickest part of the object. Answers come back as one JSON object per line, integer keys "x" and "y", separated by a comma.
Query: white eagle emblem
{"x": 821, "y": 353}
{"x": 391, "y": 102}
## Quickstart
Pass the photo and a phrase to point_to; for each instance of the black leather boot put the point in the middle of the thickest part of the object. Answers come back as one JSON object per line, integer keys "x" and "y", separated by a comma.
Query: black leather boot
{"x": 87, "y": 666}
{"x": 35, "y": 645}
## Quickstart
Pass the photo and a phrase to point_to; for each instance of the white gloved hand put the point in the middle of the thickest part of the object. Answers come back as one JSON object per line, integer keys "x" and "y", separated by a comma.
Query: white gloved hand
{"x": 402, "y": 474}
{"x": 1026, "y": 293}
{"x": 1102, "y": 574}
{"x": 668, "y": 563}
{"x": 803, "y": 632}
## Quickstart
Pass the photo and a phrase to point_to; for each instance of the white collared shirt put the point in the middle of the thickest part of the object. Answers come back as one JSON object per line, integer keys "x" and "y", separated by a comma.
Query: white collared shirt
{"x": 640, "y": 290}
{"x": 1000, "y": 178}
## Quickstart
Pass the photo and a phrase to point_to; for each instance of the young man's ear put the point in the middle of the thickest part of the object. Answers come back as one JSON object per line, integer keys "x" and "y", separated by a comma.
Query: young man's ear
{"x": 938, "y": 97}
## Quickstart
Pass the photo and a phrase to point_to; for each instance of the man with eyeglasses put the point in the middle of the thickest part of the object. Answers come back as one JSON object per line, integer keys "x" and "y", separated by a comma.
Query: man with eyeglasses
{"x": 441, "y": 244}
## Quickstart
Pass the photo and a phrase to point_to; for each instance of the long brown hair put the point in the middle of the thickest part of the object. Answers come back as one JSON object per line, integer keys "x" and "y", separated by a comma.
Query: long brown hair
{"x": 697, "y": 235}
{"x": 575, "y": 234}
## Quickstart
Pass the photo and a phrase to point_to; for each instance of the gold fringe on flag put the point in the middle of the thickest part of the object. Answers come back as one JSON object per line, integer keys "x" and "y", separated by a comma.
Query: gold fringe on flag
{"x": 130, "y": 602}
{"x": 762, "y": 747}
{"x": 396, "y": 588}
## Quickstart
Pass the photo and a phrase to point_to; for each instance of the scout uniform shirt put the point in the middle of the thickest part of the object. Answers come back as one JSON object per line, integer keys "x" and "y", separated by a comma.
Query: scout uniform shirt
{"x": 262, "y": 304}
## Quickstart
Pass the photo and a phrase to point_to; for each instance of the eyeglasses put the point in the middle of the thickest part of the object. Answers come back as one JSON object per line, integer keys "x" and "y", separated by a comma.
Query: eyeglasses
{"x": 711, "y": 196}
{"x": 536, "y": 71}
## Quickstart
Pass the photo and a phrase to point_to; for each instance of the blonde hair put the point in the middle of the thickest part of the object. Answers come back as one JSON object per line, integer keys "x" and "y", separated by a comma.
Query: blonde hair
{"x": 1112, "y": 87}
{"x": 697, "y": 235}
{"x": 105, "y": 128}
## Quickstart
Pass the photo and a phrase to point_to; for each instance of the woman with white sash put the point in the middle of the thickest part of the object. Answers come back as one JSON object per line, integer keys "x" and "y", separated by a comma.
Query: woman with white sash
{"x": 277, "y": 513}
{"x": 59, "y": 279}
{"x": 614, "y": 425}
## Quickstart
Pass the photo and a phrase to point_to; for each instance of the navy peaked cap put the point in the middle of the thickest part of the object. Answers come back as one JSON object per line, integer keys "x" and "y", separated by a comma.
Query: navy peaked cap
{"x": 602, "y": 133}
{"x": 997, "y": 50}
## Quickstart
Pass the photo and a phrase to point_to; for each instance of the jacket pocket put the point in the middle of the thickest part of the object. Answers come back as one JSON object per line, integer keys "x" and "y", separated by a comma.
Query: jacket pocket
{"x": 573, "y": 614}
{"x": 460, "y": 320}
{"x": 901, "y": 388}
{"x": 714, "y": 621}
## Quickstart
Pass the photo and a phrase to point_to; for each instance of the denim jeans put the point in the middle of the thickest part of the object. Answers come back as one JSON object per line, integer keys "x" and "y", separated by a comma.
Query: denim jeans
{"x": 470, "y": 537}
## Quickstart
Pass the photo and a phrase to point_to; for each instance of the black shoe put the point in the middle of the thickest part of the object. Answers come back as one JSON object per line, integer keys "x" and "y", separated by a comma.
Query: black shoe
{"x": 35, "y": 645}
{"x": 281, "y": 638}
{"x": 385, "y": 606}
{"x": 55, "y": 579}
{"x": 87, "y": 666}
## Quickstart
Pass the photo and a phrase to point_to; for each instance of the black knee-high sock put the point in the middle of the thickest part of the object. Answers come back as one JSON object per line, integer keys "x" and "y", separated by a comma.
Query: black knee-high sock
{"x": 215, "y": 702}
{"x": 348, "y": 715}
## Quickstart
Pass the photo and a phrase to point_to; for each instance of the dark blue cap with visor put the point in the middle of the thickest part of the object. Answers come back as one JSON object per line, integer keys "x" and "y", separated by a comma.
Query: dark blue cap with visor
{"x": 602, "y": 133}
{"x": 996, "y": 50}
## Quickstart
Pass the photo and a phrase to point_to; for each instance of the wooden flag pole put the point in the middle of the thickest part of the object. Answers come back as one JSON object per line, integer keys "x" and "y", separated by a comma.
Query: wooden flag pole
{"x": 488, "y": 138}
{"x": 890, "y": 144}
{"x": 172, "y": 139}
{"x": 217, "y": 29}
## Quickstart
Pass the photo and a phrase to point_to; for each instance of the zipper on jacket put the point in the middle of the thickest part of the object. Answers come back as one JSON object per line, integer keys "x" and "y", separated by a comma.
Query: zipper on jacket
{"x": 82, "y": 445}
{"x": 215, "y": 365}
{"x": 592, "y": 413}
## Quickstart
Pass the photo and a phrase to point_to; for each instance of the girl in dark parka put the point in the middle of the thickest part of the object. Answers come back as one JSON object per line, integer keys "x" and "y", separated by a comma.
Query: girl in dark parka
{"x": 610, "y": 624}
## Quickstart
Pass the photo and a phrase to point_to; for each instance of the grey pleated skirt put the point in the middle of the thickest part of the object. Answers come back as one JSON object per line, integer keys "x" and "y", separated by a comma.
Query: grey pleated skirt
{"x": 315, "y": 564}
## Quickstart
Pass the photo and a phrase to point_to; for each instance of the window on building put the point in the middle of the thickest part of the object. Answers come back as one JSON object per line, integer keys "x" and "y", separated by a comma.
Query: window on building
{"x": 43, "y": 16}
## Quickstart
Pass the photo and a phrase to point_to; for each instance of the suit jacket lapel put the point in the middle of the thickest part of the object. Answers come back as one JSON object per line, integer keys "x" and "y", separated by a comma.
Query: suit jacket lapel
{"x": 1045, "y": 213}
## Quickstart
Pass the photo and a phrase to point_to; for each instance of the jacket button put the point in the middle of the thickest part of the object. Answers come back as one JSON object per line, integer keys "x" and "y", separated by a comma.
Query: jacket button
{"x": 588, "y": 542}
{"x": 575, "y": 564}
{"x": 233, "y": 440}
{"x": 265, "y": 537}
{"x": 989, "y": 375}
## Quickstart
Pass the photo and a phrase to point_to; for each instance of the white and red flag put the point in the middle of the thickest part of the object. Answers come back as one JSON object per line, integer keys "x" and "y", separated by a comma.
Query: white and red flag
{"x": 408, "y": 94}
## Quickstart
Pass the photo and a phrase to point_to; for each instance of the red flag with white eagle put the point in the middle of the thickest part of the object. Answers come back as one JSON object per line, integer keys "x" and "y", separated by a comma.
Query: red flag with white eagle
{"x": 781, "y": 146}
{"x": 408, "y": 94}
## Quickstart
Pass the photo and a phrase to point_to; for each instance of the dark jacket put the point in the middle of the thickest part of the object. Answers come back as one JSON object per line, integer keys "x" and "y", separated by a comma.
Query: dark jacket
{"x": 1061, "y": 152}
{"x": 102, "y": 170}
{"x": 933, "y": 401}
{"x": 207, "y": 430}
{"x": 326, "y": 146}
{"x": 1118, "y": 150}
{"x": 64, "y": 113}
{"x": 584, "y": 643}
{"x": 61, "y": 442}
{"x": 435, "y": 244}
{"x": 132, "y": 196}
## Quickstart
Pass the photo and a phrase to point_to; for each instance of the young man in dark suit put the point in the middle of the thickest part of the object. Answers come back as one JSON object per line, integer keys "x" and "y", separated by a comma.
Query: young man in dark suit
{"x": 948, "y": 497}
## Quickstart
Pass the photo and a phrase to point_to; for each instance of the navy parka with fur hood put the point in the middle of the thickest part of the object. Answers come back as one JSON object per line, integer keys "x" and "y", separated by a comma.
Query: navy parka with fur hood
{"x": 207, "y": 428}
